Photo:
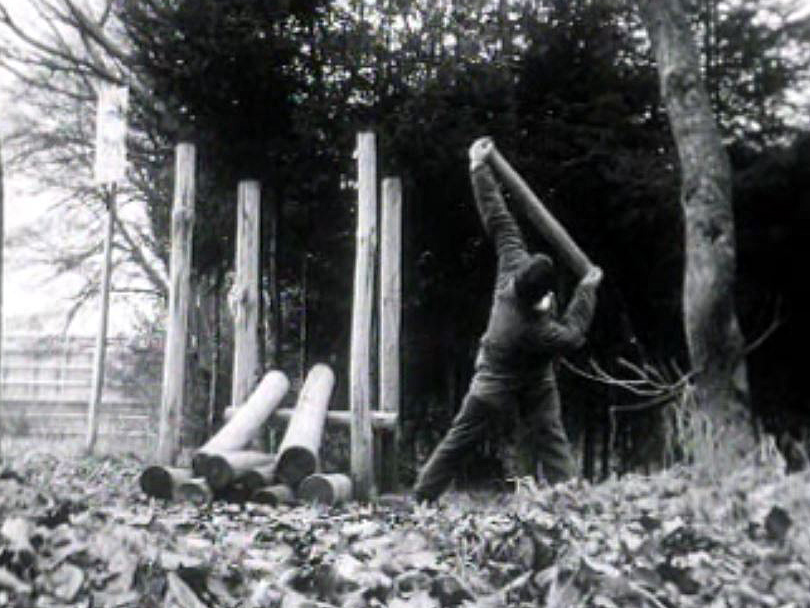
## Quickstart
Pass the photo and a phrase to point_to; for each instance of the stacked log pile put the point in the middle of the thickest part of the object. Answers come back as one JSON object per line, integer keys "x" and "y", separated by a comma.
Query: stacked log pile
{"x": 227, "y": 468}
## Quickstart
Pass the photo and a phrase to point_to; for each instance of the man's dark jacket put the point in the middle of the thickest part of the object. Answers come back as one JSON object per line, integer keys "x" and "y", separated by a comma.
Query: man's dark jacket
{"x": 520, "y": 344}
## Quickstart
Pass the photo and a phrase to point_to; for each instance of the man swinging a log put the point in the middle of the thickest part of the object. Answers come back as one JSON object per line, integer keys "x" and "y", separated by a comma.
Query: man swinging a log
{"x": 514, "y": 374}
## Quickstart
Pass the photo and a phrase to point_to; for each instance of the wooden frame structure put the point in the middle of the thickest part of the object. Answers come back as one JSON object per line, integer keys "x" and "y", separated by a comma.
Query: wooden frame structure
{"x": 361, "y": 417}
{"x": 374, "y": 431}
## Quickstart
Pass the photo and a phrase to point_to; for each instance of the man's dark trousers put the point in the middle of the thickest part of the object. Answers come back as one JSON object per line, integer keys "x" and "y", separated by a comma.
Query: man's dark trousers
{"x": 535, "y": 412}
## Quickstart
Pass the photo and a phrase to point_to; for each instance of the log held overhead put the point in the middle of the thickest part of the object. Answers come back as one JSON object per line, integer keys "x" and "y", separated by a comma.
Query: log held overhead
{"x": 546, "y": 224}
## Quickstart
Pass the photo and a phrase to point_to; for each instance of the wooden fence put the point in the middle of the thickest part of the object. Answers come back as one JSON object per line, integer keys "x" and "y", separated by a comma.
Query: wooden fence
{"x": 46, "y": 385}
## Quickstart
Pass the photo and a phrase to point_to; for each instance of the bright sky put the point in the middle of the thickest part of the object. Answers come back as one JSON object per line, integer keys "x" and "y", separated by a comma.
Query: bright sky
{"x": 31, "y": 291}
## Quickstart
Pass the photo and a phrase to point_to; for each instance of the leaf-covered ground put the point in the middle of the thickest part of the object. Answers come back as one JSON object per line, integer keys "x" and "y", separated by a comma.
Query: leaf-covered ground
{"x": 78, "y": 532}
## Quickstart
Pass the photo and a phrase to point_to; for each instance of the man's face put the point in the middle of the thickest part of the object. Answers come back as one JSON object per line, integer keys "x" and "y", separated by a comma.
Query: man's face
{"x": 547, "y": 304}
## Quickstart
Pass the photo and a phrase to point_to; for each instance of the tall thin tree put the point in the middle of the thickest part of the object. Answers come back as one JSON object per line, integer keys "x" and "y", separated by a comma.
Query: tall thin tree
{"x": 714, "y": 338}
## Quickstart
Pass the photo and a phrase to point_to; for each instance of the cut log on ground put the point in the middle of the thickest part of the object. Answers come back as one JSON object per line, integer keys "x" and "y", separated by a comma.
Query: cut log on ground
{"x": 548, "y": 226}
{"x": 234, "y": 493}
{"x": 298, "y": 452}
{"x": 247, "y": 421}
{"x": 195, "y": 491}
{"x": 221, "y": 470}
{"x": 258, "y": 477}
{"x": 160, "y": 482}
{"x": 273, "y": 495}
{"x": 326, "y": 488}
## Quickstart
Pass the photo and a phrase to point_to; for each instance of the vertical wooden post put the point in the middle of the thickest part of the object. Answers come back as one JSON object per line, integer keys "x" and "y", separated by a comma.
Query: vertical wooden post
{"x": 174, "y": 368}
{"x": 362, "y": 463}
{"x": 99, "y": 356}
{"x": 390, "y": 321}
{"x": 246, "y": 292}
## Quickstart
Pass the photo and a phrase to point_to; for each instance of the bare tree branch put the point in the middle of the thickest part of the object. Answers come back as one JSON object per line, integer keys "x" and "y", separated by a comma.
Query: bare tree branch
{"x": 161, "y": 285}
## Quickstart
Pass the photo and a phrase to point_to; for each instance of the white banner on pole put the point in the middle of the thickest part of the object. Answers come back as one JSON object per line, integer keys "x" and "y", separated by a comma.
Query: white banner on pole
{"x": 111, "y": 133}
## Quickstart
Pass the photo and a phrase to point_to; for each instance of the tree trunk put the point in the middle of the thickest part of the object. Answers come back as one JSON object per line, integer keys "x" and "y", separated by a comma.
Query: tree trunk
{"x": 716, "y": 345}
{"x": 303, "y": 326}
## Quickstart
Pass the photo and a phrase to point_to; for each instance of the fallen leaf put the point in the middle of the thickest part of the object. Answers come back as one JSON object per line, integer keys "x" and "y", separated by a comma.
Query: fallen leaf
{"x": 348, "y": 574}
{"x": 9, "y": 581}
{"x": 293, "y": 599}
{"x": 263, "y": 595}
{"x": 361, "y": 529}
{"x": 412, "y": 582}
{"x": 18, "y": 531}
{"x": 450, "y": 590}
{"x": 420, "y": 599}
{"x": 182, "y": 593}
{"x": 680, "y": 577}
{"x": 777, "y": 523}
{"x": 172, "y": 560}
{"x": 116, "y": 600}
{"x": 602, "y": 601}
{"x": 65, "y": 582}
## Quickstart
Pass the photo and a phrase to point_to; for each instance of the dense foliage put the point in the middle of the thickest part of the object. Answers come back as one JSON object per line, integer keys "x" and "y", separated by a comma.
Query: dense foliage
{"x": 276, "y": 91}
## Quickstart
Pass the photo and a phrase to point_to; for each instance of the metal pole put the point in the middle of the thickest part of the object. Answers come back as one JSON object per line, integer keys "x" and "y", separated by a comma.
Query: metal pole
{"x": 101, "y": 337}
